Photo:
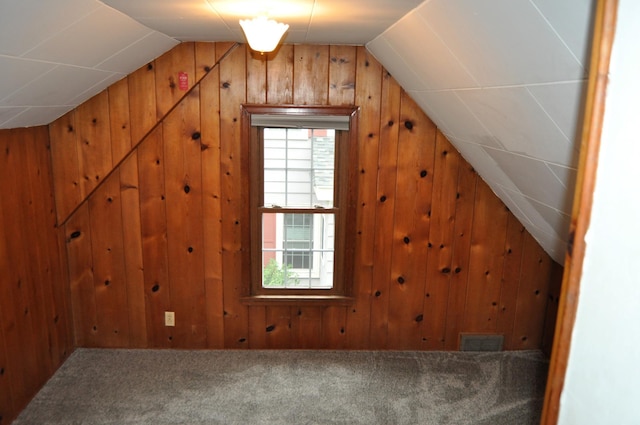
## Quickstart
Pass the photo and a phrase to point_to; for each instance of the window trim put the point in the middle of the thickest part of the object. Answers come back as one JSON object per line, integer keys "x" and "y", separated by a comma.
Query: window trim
{"x": 345, "y": 200}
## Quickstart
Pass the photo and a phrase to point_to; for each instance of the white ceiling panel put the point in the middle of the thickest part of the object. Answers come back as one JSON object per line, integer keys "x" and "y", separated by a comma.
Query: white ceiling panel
{"x": 57, "y": 87}
{"x": 516, "y": 203}
{"x": 405, "y": 75}
{"x": 502, "y": 42}
{"x": 198, "y": 29}
{"x": 564, "y": 104}
{"x": 24, "y": 24}
{"x": 7, "y": 113}
{"x": 139, "y": 53}
{"x": 557, "y": 220}
{"x": 41, "y": 115}
{"x": 484, "y": 164}
{"x": 72, "y": 46}
{"x": 533, "y": 179}
{"x": 440, "y": 69}
{"x": 87, "y": 94}
{"x": 572, "y": 20}
{"x": 522, "y": 207}
{"x": 514, "y": 117}
{"x": 566, "y": 175}
{"x": 454, "y": 118}
{"x": 17, "y": 72}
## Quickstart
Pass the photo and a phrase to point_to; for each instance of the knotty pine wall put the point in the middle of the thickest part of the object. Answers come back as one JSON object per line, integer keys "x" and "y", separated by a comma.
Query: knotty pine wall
{"x": 149, "y": 186}
{"x": 35, "y": 327}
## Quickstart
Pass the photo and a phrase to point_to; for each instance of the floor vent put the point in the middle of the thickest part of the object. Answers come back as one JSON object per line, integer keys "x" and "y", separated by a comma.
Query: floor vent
{"x": 481, "y": 342}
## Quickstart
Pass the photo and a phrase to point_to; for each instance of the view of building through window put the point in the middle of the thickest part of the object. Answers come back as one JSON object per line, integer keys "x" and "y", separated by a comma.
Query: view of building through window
{"x": 298, "y": 245}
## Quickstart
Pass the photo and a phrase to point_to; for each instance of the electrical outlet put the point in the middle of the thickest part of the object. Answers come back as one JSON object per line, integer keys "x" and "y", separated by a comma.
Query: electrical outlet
{"x": 169, "y": 318}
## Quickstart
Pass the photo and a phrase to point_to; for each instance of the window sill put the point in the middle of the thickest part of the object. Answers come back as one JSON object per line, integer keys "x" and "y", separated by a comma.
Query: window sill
{"x": 297, "y": 299}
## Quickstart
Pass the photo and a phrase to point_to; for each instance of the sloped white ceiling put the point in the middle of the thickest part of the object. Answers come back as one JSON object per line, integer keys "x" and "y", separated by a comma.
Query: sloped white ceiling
{"x": 54, "y": 55}
{"x": 505, "y": 81}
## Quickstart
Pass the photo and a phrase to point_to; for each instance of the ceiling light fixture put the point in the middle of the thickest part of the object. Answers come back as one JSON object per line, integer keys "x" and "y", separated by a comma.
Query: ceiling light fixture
{"x": 263, "y": 35}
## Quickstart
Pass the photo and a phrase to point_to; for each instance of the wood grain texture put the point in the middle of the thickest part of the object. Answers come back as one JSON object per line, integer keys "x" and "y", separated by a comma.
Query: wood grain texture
{"x": 437, "y": 254}
{"x": 35, "y": 329}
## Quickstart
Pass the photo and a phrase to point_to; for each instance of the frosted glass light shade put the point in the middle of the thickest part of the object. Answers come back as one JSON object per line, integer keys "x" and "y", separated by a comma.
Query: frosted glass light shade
{"x": 263, "y": 35}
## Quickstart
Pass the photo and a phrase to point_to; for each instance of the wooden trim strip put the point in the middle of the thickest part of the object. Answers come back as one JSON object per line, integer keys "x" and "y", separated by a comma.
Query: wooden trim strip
{"x": 603, "y": 35}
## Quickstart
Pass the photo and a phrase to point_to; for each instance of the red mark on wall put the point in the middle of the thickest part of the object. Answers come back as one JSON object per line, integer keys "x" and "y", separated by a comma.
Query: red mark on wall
{"x": 183, "y": 81}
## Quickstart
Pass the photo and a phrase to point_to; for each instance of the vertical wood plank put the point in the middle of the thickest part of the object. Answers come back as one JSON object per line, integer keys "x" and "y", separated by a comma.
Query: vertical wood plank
{"x": 411, "y": 226}
{"x": 211, "y": 207}
{"x": 107, "y": 249}
{"x": 16, "y": 327}
{"x": 256, "y": 78}
{"x": 385, "y": 209}
{"x": 28, "y": 236}
{"x": 224, "y": 48}
{"x": 528, "y": 325}
{"x": 183, "y": 188}
{"x": 94, "y": 141}
{"x": 54, "y": 280}
{"x": 142, "y": 101}
{"x": 205, "y": 59}
{"x": 256, "y": 82}
{"x": 280, "y": 76}
{"x": 177, "y": 62}
{"x": 83, "y": 296}
{"x": 306, "y": 324}
{"x": 441, "y": 239}
{"x": 551, "y": 312}
{"x": 153, "y": 220}
{"x": 49, "y": 282}
{"x": 278, "y": 321}
{"x": 485, "y": 262}
{"x": 132, "y": 239}
{"x": 233, "y": 188}
{"x": 119, "y": 120}
{"x": 257, "y": 327}
{"x": 334, "y": 328}
{"x": 369, "y": 79}
{"x": 6, "y": 398}
{"x": 66, "y": 168}
{"x": 311, "y": 74}
{"x": 465, "y": 203}
{"x": 510, "y": 279}
{"x": 342, "y": 85}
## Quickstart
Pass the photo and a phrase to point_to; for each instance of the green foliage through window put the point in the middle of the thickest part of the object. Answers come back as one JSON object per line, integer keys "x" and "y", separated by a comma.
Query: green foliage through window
{"x": 276, "y": 276}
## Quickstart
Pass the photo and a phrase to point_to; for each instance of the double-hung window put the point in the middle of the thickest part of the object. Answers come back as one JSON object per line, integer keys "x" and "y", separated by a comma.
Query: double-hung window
{"x": 303, "y": 164}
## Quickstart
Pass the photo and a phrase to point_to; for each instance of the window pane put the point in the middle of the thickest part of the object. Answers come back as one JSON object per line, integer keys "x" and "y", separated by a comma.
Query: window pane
{"x": 299, "y": 167}
{"x": 297, "y": 250}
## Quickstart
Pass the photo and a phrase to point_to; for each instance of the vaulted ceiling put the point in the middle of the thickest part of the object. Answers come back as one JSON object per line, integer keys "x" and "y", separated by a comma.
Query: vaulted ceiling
{"x": 503, "y": 79}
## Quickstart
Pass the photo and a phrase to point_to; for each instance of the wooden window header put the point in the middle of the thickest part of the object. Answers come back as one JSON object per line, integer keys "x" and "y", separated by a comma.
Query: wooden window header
{"x": 338, "y": 122}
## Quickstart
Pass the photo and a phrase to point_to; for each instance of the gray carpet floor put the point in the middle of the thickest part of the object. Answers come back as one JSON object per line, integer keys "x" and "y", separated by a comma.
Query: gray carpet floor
{"x": 100, "y": 386}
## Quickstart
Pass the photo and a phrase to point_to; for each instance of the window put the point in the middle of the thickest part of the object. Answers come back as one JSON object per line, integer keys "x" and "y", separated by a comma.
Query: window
{"x": 302, "y": 174}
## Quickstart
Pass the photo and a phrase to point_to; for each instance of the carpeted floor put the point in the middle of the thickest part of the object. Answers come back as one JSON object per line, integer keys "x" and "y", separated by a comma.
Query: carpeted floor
{"x": 99, "y": 386}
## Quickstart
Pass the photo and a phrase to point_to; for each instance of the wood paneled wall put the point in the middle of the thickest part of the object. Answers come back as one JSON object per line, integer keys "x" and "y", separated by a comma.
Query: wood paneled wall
{"x": 155, "y": 214}
{"x": 35, "y": 327}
